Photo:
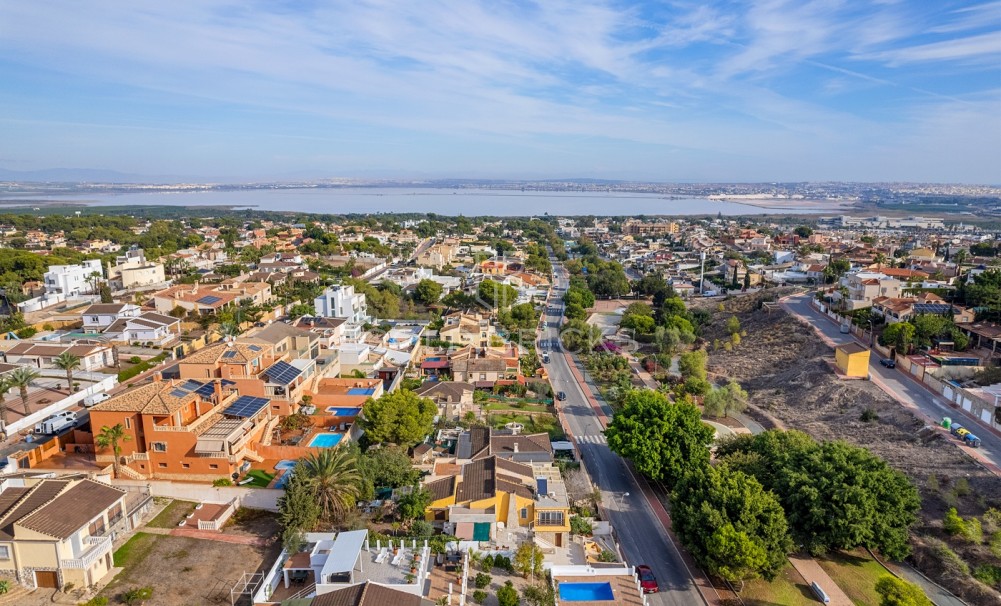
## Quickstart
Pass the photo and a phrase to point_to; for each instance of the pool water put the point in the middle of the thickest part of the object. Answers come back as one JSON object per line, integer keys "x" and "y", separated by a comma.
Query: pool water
{"x": 344, "y": 412}
{"x": 586, "y": 592}
{"x": 325, "y": 440}
{"x": 283, "y": 480}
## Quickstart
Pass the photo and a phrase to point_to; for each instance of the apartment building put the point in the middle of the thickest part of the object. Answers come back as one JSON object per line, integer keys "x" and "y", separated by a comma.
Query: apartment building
{"x": 633, "y": 227}
{"x": 72, "y": 280}
{"x": 467, "y": 329}
{"x": 58, "y": 531}
{"x": 341, "y": 301}
{"x": 185, "y": 429}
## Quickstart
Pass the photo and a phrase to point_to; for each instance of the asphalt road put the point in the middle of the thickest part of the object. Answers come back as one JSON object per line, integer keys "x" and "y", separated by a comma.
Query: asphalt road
{"x": 639, "y": 534}
{"x": 897, "y": 383}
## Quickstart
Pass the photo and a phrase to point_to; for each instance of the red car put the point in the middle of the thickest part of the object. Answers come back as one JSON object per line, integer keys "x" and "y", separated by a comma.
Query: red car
{"x": 647, "y": 581}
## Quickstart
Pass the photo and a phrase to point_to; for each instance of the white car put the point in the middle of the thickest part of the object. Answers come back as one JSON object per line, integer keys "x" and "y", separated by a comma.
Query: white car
{"x": 95, "y": 399}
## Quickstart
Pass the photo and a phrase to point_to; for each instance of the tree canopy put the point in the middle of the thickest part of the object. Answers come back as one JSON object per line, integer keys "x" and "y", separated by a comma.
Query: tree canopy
{"x": 724, "y": 400}
{"x": 730, "y": 524}
{"x": 399, "y": 417}
{"x": 428, "y": 292}
{"x": 664, "y": 440}
{"x": 495, "y": 294}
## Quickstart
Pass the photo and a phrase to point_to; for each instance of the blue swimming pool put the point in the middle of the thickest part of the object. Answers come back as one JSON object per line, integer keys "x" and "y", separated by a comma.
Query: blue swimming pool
{"x": 344, "y": 412}
{"x": 283, "y": 479}
{"x": 285, "y": 464}
{"x": 325, "y": 440}
{"x": 361, "y": 391}
{"x": 586, "y": 592}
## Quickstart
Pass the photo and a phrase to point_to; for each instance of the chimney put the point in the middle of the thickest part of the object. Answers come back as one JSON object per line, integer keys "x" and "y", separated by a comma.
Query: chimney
{"x": 218, "y": 390}
{"x": 157, "y": 376}
{"x": 514, "y": 447}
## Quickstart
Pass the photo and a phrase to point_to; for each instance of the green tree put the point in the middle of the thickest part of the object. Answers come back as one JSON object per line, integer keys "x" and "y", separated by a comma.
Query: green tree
{"x": 803, "y": 231}
{"x": 412, "y": 506}
{"x": 835, "y": 495}
{"x": 428, "y": 292}
{"x": 399, "y": 417}
{"x": 574, "y": 311}
{"x": 578, "y": 335}
{"x": 731, "y": 524}
{"x": 334, "y": 478}
{"x": 664, "y": 440}
{"x": 22, "y": 378}
{"x": 898, "y": 592}
{"x": 929, "y": 326}
{"x": 68, "y": 363}
{"x": 722, "y": 401}
{"x": 388, "y": 466}
{"x": 836, "y": 268}
{"x": 693, "y": 364}
{"x": 298, "y": 510}
{"x": 541, "y": 594}
{"x": 112, "y": 437}
{"x": 528, "y": 560}
{"x": 732, "y": 325}
{"x": 496, "y": 295}
{"x": 899, "y": 335}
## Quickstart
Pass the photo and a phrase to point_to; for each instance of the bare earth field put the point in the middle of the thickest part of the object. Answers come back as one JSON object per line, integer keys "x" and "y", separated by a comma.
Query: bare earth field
{"x": 787, "y": 373}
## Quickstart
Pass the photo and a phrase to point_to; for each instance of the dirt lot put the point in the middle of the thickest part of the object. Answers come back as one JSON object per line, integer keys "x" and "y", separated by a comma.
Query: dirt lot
{"x": 786, "y": 371}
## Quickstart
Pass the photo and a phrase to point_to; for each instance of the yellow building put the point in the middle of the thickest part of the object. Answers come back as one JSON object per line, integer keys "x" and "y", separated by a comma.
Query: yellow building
{"x": 493, "y": 493}
{"x": 852, "y": 359}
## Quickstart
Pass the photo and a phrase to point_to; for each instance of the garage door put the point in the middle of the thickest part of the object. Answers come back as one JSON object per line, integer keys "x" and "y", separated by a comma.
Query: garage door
{"x": 47, "y": 578}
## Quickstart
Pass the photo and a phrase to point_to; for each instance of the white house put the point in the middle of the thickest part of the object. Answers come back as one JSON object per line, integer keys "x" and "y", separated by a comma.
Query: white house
{"x": 342, "y": 301}
{"x": 102, "y": 315}
{"x": 149, "y": 327}
{"x": 73, "y": 279}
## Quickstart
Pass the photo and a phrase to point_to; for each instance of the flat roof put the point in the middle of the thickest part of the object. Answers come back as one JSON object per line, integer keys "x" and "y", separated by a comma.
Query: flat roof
{"x": 852, "y": 348}
{"x": 344, "y": 552}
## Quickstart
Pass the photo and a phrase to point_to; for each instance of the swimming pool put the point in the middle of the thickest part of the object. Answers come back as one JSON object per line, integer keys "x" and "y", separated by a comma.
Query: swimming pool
{"x": 325, "y": 440}
{"x": 586, "y": 592}
{"x": 285, "y": 464}
{"x": 344, "y": 412}
{"x": 283, "y": 479}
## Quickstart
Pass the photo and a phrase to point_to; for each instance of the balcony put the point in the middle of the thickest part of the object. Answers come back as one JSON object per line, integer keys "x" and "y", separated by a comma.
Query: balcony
{"x": 97, "y": 547}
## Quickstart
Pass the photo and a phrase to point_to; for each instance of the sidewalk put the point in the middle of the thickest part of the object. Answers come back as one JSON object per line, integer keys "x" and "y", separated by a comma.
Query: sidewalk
{"x": 813, "y": 573}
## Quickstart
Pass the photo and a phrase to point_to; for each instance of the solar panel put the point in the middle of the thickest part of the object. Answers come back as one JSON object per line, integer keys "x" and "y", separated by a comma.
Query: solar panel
{"x": 282, "y": 373}
{"x": 178, "y": 393}
{"x": 209, "y": 300}
{"x": 229, "y": 354}
{"x": 245, "y": 406}
{"x": 255, "y": 348}
{"x": 206, "y": 390}
{"x": 931, "y": 308}
{"x": 190, "y": 385}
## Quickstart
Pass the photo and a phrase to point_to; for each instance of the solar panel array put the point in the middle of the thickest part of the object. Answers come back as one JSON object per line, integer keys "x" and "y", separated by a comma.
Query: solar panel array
{"x": 282, "y": 373}
{"x": 187, "y": 387}
{"x": 209, "y": 300}
{"x": 229, "y": 354}
{"x": 932, "y": 308}
{"x": 246, "y": 406}
{"x": 254, "y": 347}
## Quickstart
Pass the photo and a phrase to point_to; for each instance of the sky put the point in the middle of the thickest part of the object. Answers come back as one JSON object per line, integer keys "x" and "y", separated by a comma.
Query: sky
{"x": 751, "y": 91}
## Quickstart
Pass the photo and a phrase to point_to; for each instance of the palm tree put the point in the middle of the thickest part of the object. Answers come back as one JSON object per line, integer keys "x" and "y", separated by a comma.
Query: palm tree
{"x": 5, "y": 386}
{"x": 229, "y": 329}
{"x": 111, "y": 437}
{"x": 22, "y": 378}
{"x": 879, "y": 258}
{"x": 334, "y": 477}
{"x": 67, "y": 362}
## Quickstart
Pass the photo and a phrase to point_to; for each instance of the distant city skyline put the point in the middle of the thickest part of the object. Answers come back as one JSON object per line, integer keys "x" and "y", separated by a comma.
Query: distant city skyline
{"x": 755, "y": 91}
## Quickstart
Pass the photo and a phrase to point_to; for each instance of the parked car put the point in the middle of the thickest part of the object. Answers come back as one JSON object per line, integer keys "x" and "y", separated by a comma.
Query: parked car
{"x": 888, "y": 362}
{"x": 95, "y": 399}
{"x": 647, "y": 581}
{"x": 562, "y": 395}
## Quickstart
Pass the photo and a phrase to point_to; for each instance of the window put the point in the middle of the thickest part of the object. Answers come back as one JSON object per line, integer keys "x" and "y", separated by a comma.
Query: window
{"x": 550, "y": 518}
{"x": 159, "y": 446}
{"x": 213, "y": 466}
{"x": 4, "y": 552}
{"x": 186, "y": 465}
{"x": 128, "y": 423}
{"x": 524, "y": 513}
{"x": 162, "y": 465}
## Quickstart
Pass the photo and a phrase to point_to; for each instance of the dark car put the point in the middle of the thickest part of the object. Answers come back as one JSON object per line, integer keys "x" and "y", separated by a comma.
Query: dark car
{"x": 647, "y": 581}
{"x": 888, "y": 362}
{"x": 562, "y": 395}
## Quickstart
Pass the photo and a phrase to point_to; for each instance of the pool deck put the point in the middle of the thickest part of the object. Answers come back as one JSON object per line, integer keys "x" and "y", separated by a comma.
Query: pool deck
{"x": 623, "y": 588}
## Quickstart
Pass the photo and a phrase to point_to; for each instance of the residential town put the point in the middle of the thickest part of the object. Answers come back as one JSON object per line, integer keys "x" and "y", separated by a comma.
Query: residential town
{"x": 450, "y": 410}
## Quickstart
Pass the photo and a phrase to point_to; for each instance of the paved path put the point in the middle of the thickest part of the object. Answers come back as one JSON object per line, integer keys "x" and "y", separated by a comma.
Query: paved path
{"x": 208, "y": 535}
{"x": 811, "y": 571}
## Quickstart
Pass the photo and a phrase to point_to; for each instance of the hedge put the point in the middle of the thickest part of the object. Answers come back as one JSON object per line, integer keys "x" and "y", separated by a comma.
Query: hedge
{"x": 142, "y": 367}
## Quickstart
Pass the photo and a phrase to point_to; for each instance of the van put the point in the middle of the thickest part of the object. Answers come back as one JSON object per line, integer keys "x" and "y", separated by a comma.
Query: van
{"x": 820, "y": 593}
{"x": 95, "y": 399}
{"x": 56, "y": 423}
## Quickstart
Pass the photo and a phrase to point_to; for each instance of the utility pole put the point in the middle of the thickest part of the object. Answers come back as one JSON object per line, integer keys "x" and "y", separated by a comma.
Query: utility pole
{"x": 702, "y": 273}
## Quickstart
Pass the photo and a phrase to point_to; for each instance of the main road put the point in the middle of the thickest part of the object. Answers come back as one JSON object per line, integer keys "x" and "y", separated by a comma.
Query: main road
{"x": 898, "y": 384}
{"x": 639, "y": 532}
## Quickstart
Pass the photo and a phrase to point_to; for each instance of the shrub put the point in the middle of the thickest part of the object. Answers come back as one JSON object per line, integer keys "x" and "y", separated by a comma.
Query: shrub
{"x": 988, "y": 574}
{"x": 488, "y": 563}
{"x": 507, "y": 595}
{"x": 422, "y": 528}
{"x": 137, "y": 595}
{"x": 482, "y": 580}
{"x": 579, "y": 525}
{"x": 135, "y": 360}
{"x": 504, "y": 563}
{"x": 607, "y": 556}
{"x": 970, "y": 530}
{"x": 222, "y": 482}
{"x": 479, "y": 596}
{"x": 4, "y": 586}
{"x": 868, "y": 415}
{"x": 98, "y": 600}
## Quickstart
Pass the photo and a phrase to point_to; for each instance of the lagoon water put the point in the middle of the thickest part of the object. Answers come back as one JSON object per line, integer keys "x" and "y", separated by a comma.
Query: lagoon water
{"x": 469, "y": 202}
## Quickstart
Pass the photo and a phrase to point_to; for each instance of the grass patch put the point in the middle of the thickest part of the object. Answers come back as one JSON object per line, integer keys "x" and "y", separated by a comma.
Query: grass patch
{"x": 172, "y": 514}
{"x": 135, "y": 549}
{"x": 856, "y": 573}
{"x": 261, "y": 478}
{"x": 533, "y": 423}
{"x": 508, "y": 406}
{"x": 788, "y": 589}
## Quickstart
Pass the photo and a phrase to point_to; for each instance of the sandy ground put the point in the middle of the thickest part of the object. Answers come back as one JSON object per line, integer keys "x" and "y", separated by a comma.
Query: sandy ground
{"x": 787, "y": 373}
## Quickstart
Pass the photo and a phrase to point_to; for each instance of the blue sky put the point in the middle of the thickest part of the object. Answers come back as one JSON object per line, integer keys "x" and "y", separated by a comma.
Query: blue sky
{"x": 876, "y": 90}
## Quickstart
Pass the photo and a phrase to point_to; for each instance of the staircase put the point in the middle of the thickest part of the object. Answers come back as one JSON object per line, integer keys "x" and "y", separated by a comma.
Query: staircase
{"x": 252, "y": 455}
{"x": 269, "y": 431}
{"x": 128, "y": 472}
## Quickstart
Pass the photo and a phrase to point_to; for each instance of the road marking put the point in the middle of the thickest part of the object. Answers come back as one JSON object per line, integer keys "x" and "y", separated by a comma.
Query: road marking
{"x": 592, "y": 439}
